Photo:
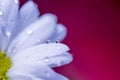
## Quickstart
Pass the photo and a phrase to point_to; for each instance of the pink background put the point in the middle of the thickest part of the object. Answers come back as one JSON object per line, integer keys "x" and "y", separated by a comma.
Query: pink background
{"x": 93, "y": 36}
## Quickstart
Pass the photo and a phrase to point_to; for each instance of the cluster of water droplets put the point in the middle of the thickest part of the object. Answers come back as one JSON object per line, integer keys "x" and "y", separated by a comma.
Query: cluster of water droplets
{"x": 29, "y": 32}
{"x": 48, "y": 60}
{"x": 5, "y": 26}
{"x": 6, "y": 32}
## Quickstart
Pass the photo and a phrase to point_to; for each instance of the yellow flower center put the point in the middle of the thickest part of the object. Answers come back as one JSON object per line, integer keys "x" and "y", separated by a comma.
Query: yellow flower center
{"x": 5, "y": 64}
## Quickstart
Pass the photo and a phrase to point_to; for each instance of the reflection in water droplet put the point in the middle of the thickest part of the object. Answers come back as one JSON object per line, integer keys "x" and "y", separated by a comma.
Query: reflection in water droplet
{"x": 29, "y": 31}
{"x": 58, "y": 47}
{"x": 4, "y": 30}
{"x": 61, "y": 63}
{"x": 13, "y": 50}
{"x": 48, "y": 41}
{"x": 2, "y": 3}
{"x": 16, "y": 1}
{"x": 8, "y": 33}
{"x": 1, "y": 12}
{"x": 47, "y": 73}
{"x": 57, "y": 41}
{"x": 47, "y": 59}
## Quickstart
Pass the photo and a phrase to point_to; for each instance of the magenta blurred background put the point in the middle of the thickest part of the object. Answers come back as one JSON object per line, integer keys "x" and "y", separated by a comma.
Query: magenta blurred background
{"x": 93, "y": 36}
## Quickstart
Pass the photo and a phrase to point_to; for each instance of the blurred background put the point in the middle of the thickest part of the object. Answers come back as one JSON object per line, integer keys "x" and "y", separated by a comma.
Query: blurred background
{"x": 93, "y": 36}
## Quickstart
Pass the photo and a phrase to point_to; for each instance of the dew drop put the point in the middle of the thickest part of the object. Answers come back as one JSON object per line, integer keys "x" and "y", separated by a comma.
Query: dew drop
{"x": 58, "y": 47}
{"x": 48, "y": 41}
{"x": 47, "y": 59}
{"x": 13, "y": 50}
{"x": 47, "y": 73}
{"x": 16, "y": 1}
{"x": 8, "y": 33}
{"x": 5, "y": 31}
{"x": 61, "y": 63}
{"x": 29, "y": 32}
{"x": 2, "y": 3}
{"x": 57, "y": 41}
{"x": 1, "y": 12}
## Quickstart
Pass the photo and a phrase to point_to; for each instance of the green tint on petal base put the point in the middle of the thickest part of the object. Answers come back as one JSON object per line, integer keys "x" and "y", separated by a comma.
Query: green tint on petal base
{"x": 5, "y": 64}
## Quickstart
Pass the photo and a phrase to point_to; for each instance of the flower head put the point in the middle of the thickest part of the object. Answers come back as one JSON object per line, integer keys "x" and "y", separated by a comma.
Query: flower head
{"x": 28, "y": 47}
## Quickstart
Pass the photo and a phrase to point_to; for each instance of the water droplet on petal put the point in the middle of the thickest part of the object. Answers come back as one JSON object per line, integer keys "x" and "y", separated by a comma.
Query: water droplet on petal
{"x": 5, "y": 31}
{"x": 58, "y": 47}
{"x": 1, "y": 12}
{"x": 48, "y": 41}
{"x": 47, "y": 59}
{"x": 13, "y": 50}
{"x": 61, "y": 63}
{"x": 47, "y": 73}
{"x": 8, "y": 33}
{"x": 29, "y": 31}
{"x": 57, "y": 41}
{"x": 2, "y": 3}
{"x": 16, "y": 1}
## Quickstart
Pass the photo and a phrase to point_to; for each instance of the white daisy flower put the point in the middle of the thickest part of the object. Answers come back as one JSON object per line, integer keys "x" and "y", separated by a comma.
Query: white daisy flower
{"x": 24, "y": 53}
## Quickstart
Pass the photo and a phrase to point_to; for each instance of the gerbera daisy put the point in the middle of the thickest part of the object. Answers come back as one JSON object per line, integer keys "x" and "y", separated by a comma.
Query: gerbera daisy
{"x": 29, "y": 46}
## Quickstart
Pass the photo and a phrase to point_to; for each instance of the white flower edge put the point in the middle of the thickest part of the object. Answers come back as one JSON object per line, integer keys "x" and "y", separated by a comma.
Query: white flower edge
{"x": 8, "y": 20}
{"x": 28, "y": 14}
{"x": 52, "y": 54}
{"x": 20, "y": 42}
{"x": 38, "y": 31}
{"x": 41, "y": 72}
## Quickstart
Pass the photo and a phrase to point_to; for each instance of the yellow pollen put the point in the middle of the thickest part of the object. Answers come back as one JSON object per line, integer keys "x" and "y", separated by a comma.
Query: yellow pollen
{"x": 5, "y": 64}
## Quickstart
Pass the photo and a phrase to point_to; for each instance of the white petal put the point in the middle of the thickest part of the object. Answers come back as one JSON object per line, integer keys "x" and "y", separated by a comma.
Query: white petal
{"x": 60, "y": 33}
{"x": 6, "y": 7}
{"x": 19, "y": 76}
{"x": 8, "y": 19}
{"x": 36, "y": 70}
{"x": 61, "y": 77}
{"x": 29, "y": 13}
{"x": 39, "y": 31}
{"x": 42, "y": 50}
{"x": 22, "y": 76}
{"x": 51, "y": 54}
